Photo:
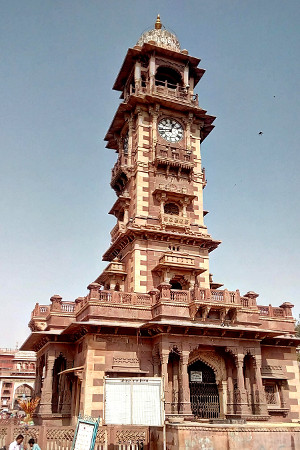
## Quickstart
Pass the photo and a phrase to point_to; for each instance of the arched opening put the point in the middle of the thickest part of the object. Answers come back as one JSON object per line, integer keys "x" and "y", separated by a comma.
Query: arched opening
{"x": 171, "y": 208}
{"x": 60, "y": 364}
{"x": 23, "y": 392}
{"x": 175, "y": 285}
{"x": 165, "y": 76}
{"x": 204, "y": 393}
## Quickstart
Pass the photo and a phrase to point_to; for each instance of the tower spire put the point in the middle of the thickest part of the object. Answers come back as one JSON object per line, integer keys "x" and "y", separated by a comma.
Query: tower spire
{"x": 158, "y": 23}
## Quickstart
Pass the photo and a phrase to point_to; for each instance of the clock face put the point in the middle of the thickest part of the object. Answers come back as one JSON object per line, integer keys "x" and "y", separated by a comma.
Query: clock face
{"x": 170, "y": 130}
{"x": 125, "y": 144}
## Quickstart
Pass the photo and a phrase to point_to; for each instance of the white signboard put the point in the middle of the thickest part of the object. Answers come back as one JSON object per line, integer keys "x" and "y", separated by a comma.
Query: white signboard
{"x": 133, "y": 401}
{"x": 196, "y": 376}
{"x": 84, "y": 436}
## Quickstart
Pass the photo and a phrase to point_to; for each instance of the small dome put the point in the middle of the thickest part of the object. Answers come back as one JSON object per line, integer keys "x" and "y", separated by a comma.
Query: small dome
{"x": 161, "y": 36}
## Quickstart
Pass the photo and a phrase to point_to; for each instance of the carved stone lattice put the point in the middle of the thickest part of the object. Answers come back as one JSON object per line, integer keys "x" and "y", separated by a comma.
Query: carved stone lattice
{"x": 33, "y": 432}
{"x": 3, "y": 431}
{"x": 130, "y": 436}
{"x": 66, "y": 434}
{"x": 101, "y": 437}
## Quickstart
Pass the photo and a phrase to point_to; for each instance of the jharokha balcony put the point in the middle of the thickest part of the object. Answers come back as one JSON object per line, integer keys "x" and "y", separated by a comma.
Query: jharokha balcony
{"x": 173, "y": 156}
{"x": 197, "y": 307}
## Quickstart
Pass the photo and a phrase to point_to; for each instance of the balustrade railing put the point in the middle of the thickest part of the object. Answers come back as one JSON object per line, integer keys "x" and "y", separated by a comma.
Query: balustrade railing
{"x": 173, "y": 154}
{"x": 124, "y": 298}
{"x": 197, "y": 295}
{"x": 271, "y": 311}
{"x": 217, "y": 296}
{"x": 179, "y": 296}
{"x": 68, "y": 307}
{"x": 162, "y": 88}
{"x": 40, "y": 311}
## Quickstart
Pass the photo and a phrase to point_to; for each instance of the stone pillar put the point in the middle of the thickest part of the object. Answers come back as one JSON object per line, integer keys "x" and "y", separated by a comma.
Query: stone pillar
{"x": 156, "y": 364}
{"x": 186, "y": 75}
{"x": 137, "y": 75}
{"x": 241, "y": 395}
{"x": 94, "y": 291}
{"x": 130, "y": 137}
{"x": 154, "y": 112}
{"x": 281, "y": 394}
{"x": 252, "y": 296}
{"x": 287, "y": 308}
{"x": 230, "y": 392}
{"x": 154, "y": 294}
{"x": 164, "y": 359}
{"x": 78, "y": 303}
{"x": 152, "y": 72}
{"x": 222, "y": 389}
{"x": 164, "y": 289}
{"x": 56, "y": 302}
{"x": 46, "y": 394}
{"x": 184, "y": 386}
{"x": 260, "y": 397}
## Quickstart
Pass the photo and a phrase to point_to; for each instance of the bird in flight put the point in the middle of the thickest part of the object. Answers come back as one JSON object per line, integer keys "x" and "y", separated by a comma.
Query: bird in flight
{"x": 260, "y": 133}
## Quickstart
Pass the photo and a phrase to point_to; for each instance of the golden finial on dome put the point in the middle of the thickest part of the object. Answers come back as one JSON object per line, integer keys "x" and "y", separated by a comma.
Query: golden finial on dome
{"x": 158, "y": 23}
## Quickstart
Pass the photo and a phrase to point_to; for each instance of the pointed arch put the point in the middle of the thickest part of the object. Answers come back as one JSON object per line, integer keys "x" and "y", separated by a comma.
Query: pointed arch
{"x": 211, "y": 359}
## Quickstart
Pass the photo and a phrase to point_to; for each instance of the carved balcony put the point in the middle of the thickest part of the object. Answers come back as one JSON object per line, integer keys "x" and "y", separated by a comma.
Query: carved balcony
{"x": 120, "y": 174}
{"x": 163, "y": 90}
{"x": 180, "y": 261}
{"x": 173, "y": 156}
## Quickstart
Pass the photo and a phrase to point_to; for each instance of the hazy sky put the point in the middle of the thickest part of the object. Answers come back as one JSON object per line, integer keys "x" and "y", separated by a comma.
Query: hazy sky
{"x": 59, "y": 59}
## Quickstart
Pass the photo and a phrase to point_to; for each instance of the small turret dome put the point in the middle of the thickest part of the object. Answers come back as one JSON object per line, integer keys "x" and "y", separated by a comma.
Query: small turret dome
{"x": 161, "y": 36}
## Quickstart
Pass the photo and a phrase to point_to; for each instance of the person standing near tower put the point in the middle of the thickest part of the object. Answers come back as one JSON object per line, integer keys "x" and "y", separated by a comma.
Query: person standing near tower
{"x": 18, "y": 443}
{"x": 33, "y": 445}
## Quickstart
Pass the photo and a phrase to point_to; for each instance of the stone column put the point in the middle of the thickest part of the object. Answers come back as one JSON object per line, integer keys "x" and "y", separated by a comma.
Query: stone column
{"x": 154, "y": 112}
{"x": 46, "y": 395}
{"x": 260, "y": 397}
{"x": 184, "y": 386}
{"x": 164, "y": 359}
{"x": 137, "y": 75}
{"x": 56, "y": 302}
{"x": 241, "y": 394}
{"x": 230, "y": 401}
{"x": 164, "y": 289}
{"x": 94, "y": 291}
{"x": 130, "y": 138}
{"x": 222, "y": 389}
{"x": 156, "y": 364}
{"x": 281, "y": 394}
{"x": 152, "y": 72}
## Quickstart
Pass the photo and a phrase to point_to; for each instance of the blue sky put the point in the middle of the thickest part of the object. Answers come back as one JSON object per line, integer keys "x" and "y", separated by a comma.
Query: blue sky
{"x": 59, "y": 60}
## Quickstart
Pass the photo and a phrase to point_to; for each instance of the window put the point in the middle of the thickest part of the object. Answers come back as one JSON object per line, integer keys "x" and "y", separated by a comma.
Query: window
{"x": 171, "y": 208}
{"x": 272, "y": 395}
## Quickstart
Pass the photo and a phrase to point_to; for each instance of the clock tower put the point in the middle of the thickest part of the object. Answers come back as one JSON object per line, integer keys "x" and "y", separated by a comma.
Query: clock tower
{"x": 154, "y": 311}
{"x": 160, "y": 236}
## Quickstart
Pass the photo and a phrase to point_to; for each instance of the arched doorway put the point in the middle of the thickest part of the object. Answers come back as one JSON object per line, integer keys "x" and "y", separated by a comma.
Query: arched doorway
{"x": 23, "y": 392}
{"x": 204, "y": 393}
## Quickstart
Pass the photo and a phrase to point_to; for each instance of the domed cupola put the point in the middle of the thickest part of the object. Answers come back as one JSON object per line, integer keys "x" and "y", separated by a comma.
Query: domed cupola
{"x": 161, "y": 36}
